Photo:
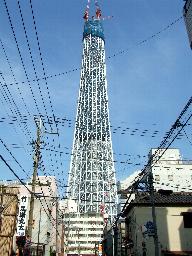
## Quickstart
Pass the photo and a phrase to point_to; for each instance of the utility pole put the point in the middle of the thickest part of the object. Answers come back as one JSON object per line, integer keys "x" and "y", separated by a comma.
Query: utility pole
{"x": 62, "y": 235}
{"x": 79, "y": 251}
{"x": 113, "y": 237}
{"x": 1, "y": 205}
{"x": 36, "y": 163}
{"x": 57, "y": 209}
{"x": 151, "y": 190}
{"x": 39, "y": 231}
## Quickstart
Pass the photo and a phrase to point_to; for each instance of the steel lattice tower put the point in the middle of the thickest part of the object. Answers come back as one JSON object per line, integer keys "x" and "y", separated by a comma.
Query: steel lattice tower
{"x": 92, "y": 174}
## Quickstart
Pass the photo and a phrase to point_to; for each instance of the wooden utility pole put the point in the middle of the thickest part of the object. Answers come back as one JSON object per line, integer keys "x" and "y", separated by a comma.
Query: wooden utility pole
{"x": 39, "y": 231}
{"x": 57, "y": 208}
{"x": 1, "y": 205}
{"x": 36, "y": 163}
{"x": 151, "y": 190}
{"x": 62, "y": 236}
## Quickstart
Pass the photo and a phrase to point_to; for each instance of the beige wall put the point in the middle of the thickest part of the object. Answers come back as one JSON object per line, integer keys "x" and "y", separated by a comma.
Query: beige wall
{"x": 48, "y": 188}
{"x": 172, "y": 234}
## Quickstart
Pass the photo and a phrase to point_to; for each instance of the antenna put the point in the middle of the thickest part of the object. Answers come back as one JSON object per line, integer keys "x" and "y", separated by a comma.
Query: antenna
{"x": 86, "y": 14}
{"x": 98, "y": 12}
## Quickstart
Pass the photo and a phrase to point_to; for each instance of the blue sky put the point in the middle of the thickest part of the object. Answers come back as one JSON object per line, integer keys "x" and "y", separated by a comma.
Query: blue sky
{"x": 148, "y": 85}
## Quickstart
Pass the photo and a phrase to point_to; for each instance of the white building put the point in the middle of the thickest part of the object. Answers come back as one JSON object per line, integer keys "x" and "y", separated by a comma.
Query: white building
{"x": 82, "y": 232}
{"x": 169, "y": 173}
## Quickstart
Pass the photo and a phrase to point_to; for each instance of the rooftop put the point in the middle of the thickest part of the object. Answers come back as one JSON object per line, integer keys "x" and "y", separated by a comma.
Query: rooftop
{"x": 162, "y": 198}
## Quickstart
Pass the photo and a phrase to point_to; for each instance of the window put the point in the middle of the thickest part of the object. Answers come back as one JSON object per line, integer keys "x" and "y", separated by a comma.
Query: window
{"x": 187, "y": 219}
{"x": 157, "y": 177}
{"x": 170, "y": 177}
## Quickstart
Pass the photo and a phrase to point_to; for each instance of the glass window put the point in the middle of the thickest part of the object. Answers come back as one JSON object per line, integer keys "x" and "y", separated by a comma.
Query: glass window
{"x": 187, "y": 219}
{"x": 170, "y": 177}
{"x": 157, "y": 177}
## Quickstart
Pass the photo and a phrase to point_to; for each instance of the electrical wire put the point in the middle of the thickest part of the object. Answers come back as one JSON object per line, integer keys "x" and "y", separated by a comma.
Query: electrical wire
{"x": 13, "y": 75}
{"x": 23, "y": 168}
{"x": 14, "y": 173}
{"x": 121, "y": 52}
{"x": 33, "y": 64}
{"x": 41, "y": 58}
{"x": 46, "y": 82}
{"x": 187, "y": 137}
{"x": 175, "y": 130}
{"x": 32, "y": 59}
{"x": 12, "y": 101}
{"x": 20, "y": 55}
{"x": 21, "y": 181}
{"x": 173, "y": 186}
{"x": 13, "y": 156}
{"x": 9, "y": 103}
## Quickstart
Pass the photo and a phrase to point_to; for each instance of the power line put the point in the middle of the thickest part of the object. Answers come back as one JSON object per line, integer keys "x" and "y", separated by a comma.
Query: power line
{"x": 43, "y": 67}
{"x": 31, "y": 57}
{"x": 20, "y": 55}
{"x": 148, "y": 38}
{"x": 14, "y": 173}
{"x": 33, "y": 64}
{"x": 187, "y": 137}
{"x": 9, "y": 103}
{"x": 41, "y": 58}
{"x": 121, "y": 52}
{"x": 13, "y": 156}
{"x": 23, "y": 168}
{"x": 173, "y": 186}
{"x": 21, "y": 181}
{"x": 175, "y": 130}
{"x": 13, "y": 75}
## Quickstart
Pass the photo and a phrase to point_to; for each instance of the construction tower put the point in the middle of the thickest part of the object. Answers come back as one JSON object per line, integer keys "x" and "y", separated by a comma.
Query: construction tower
{"x": 92, "y": 182}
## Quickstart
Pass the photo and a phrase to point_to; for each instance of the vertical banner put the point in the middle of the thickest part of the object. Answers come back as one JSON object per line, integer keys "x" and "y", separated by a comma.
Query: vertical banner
{"x": 22, "y": 215}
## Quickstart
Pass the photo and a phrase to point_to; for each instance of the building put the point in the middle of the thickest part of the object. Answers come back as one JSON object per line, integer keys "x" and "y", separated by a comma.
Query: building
{"x": 122, "y": 186}
{"x": 171, "y": 172}
{"x": 78, "y": 229}
{"x": 92, "y": 182}
{"x": 174, "y": 224}
{"x": 44, "y": 235}
{"x": 83, "y": 232}
{"x": 45, "y": 215}
{"x": 187, "y": 13}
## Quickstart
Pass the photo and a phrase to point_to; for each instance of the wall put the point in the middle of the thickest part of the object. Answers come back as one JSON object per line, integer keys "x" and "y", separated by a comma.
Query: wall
{"x": 47, "y": 223}
{"x": 171, "y": 232}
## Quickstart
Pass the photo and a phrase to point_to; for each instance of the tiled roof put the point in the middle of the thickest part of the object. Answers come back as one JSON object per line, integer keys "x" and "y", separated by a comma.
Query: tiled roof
{"x": 161, "y": 199}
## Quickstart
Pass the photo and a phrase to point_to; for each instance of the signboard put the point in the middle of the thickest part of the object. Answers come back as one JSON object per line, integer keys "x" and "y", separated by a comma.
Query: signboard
{"x": 149, "y": 228}
{"x": 22, "y": 215}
